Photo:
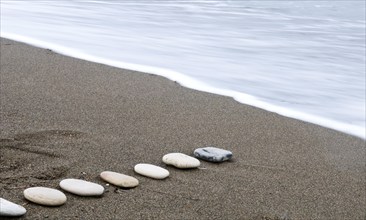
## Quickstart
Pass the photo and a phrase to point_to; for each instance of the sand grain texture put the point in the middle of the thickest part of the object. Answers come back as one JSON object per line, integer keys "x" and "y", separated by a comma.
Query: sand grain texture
{"x": 66, "y": 118}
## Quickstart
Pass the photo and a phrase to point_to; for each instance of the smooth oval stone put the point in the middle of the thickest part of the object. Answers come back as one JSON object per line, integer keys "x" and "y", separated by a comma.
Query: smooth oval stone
{"x": 119, "y": 179}
{"x": 180, "y": 160}
{"x": 151, "y": 171}
{"x": 81, "y": 187}
{"x": 8, "y": 208}
{"x": 213, "y": 154}
{"x": 45, "y": 196}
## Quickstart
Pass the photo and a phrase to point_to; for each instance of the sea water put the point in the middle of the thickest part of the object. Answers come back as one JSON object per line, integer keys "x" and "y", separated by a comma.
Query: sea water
{"x": 300, "y": 59}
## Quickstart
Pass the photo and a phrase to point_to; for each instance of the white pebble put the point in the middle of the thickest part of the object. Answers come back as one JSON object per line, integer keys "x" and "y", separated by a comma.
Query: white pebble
{"x": 45, "y": 196}
{"x": 8, "y": 208}
{"x": 180, "y": 160}
{"x": 81, "y": 187}
{"x": 119, "y": 179}
{"x": 151, "y": 171}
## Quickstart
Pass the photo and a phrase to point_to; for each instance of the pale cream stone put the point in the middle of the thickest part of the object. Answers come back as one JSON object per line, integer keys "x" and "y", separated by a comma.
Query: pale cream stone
{"x": 81, "y": 187}
{"x": 151, "y": 171}
{"x": 119, "y": 179}
{"x": 11, "y": 209}
{"x": 181, "y": 161}
{"x": 45, "y": 196}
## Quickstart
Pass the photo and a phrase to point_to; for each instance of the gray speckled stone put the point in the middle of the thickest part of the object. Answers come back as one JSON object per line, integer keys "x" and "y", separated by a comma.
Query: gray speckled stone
{"x": 213, "y": 154}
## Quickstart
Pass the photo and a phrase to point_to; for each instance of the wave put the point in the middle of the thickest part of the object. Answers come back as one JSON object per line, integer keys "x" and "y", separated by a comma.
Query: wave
{"x": 192, "y": 83}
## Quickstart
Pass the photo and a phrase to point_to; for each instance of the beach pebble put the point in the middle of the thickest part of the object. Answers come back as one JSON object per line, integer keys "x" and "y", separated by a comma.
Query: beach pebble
{"x": 119, "y": 179}
{"x": 180, "y": 160}
{"x": 151, "y": 171}
{"x": 81, "y": 187}
{"x": 213, "y": 154}
{"x": 45, "y": 196}
{"x": 8, "y": 208}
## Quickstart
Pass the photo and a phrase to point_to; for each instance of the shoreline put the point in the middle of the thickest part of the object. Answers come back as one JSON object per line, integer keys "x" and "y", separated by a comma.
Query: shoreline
{"x": 63, "y": 117}
{"x": 191, "y": 83}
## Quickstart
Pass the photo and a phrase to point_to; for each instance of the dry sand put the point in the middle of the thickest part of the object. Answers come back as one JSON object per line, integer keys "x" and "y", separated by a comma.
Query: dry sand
{"x": 67, "y": 118}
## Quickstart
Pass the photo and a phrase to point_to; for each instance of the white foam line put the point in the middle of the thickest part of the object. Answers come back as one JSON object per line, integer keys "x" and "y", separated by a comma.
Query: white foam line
{"x": 194, "y": 84}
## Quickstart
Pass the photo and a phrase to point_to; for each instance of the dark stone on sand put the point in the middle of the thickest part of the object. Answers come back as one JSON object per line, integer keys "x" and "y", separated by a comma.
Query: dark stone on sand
{"x": 213, "y": 154}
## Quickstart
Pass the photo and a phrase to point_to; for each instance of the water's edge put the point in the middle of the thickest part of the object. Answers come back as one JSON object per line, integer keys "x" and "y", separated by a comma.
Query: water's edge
{"x": 191, "y": 83}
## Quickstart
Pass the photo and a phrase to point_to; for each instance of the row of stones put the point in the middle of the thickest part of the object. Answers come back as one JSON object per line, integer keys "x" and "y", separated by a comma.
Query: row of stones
{"x": 53, "y": 197}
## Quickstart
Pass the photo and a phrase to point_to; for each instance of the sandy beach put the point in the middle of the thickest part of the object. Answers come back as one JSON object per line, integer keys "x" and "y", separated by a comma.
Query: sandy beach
{"x": 62, "y": 117}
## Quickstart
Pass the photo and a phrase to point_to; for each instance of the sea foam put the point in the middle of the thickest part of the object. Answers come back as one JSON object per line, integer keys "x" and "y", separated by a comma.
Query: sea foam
{"x": 298, "y": 59}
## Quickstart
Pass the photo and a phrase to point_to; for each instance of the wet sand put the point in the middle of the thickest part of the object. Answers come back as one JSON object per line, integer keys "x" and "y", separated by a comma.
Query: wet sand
{"x": 67, "y": 118}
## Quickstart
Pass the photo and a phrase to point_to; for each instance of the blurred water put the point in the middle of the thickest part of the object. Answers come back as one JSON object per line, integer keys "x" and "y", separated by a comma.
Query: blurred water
{"x": 301, "y": 59}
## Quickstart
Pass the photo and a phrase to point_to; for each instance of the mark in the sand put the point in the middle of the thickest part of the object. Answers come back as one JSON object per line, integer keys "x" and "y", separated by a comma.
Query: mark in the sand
{"x": 4, "y": 140}
{"x": 48, "y": 135}
{"x": 52, "y": 173}
{"x": 120, "y": 190}
{"x": 38, "y": 156}
{"x": 31, "y": 149}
